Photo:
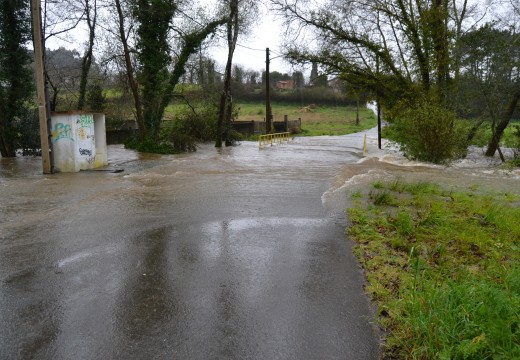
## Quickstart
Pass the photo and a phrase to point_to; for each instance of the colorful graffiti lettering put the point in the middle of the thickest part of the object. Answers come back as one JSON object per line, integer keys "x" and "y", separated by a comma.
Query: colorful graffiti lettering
{"x": 62, "y": 131}
{"x": 86, "y": 120}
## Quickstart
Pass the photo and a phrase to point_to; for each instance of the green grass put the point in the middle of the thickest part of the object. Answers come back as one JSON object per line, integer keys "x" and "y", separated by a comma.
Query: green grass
{"x": 322, "y": 120}
{"x": 443, "y": 267}
{"x": 326, "y": 120}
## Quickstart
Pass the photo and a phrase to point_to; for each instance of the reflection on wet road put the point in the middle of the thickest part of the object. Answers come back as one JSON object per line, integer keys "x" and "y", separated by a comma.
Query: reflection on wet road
{"x": 217, "y": 254}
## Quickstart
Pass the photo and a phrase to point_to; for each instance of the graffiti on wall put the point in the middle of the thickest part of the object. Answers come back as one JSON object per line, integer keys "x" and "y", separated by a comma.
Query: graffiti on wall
{"x": 62, "y": 131}
{"x": 85, "y": 135}
{"x": 86, "y": 120}
{"x": 85, "y": 152}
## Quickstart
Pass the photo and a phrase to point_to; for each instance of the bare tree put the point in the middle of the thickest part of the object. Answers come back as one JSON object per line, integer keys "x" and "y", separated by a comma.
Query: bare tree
{"x": 86, "y": 63}
{"x": 130, "y": 72}
{"x": 239, "y": 15}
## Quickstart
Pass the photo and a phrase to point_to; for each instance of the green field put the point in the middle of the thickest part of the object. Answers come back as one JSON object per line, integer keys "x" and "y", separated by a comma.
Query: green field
{"x": 322, "y": 120}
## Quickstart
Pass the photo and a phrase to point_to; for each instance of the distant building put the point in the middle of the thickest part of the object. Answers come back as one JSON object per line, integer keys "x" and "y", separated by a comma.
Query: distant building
{"x": 285, "y": 85}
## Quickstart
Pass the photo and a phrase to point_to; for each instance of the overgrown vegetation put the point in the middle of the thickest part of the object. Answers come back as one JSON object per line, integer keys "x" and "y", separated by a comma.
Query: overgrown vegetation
{"x": 439, "y": 50}
{"x": 429, "y": 131}
{"x": 443, "y": 267}
{"x": 15, "y": 75}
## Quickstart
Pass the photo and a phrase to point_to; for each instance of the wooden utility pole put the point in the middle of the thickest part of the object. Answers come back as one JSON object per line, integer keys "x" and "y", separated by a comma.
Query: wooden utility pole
{"x": 268, "y": 118}
{"x": 378, "y": 97}
{"x": 40, "y": 85}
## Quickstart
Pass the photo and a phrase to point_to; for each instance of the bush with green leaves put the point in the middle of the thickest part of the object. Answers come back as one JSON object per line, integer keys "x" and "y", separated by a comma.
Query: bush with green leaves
{"x": 198, "y": 122}
{"x": 428, "y": 131}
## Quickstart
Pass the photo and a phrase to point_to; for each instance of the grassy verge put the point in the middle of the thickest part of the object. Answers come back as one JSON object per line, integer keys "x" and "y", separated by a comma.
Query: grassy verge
{"x": 443, "y": 267}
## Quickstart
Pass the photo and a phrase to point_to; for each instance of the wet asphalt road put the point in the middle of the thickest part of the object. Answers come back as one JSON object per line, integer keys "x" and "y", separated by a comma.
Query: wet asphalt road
{"x": 219, "y": 254}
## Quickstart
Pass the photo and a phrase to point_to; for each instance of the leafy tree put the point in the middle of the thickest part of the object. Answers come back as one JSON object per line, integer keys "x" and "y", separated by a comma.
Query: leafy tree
{"x": 252, "y": 77}
{"x": 95, "y": 98}
{"x": 274, "y": 77}
{"x": 238, "y": 76}
{"x": 491, "y": 58}
{"x": 396, "y": 49}
{"x": 157, "y": 69}
{"x": 15, "y": 75}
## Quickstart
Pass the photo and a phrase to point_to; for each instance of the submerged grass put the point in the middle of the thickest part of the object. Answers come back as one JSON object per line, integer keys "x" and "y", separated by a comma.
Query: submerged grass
{"x": 443, "y": 267}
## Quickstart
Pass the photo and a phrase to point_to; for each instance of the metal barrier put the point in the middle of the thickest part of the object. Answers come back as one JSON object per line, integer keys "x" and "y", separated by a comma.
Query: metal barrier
{"x": 273, "y": 138}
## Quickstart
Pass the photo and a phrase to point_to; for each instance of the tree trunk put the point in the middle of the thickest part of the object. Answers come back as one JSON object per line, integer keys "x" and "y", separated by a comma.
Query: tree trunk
{"x": 357, "y": 110}
{"x": 130, "y": 73}
{"x": 502, "y": 124}
{"x": 220, "y": 120}
{"x": 229, "y": 111}
{"x": 87, "y": 58}
{"x": 232, "y": 36}
{"x": 440, "y": 44}
{"x": 55, "y": 92}
{"x": 6, "y": 148}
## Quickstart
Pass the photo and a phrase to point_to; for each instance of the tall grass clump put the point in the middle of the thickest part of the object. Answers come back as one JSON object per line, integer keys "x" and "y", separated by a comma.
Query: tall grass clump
{"x": 444, "y": 269}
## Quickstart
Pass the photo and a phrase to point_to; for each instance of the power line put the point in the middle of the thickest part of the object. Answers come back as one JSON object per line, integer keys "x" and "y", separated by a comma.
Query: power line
{"x": 220, "y": 36}
{"x": 249, "y": 48}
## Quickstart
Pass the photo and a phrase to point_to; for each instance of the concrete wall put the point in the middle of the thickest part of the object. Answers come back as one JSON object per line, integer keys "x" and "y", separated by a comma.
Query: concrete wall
{"x": 79, "y": 141}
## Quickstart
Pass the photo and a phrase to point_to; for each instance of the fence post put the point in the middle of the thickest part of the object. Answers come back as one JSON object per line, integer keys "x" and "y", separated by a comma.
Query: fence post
{"x": 286, "y": 122}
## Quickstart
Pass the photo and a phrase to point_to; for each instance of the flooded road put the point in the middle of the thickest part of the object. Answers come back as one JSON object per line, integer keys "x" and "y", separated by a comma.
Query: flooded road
{"x": 236, "y": 253}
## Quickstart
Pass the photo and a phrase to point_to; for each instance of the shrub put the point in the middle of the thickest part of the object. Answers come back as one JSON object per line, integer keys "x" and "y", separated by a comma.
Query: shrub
{"x": 430, "y": 132}
{"x": 199, "y": 123}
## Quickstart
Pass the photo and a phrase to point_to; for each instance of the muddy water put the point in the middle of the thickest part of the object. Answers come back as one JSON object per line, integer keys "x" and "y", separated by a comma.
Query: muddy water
{"x": 475, "y": 172}
{"x": 222, "y": 253}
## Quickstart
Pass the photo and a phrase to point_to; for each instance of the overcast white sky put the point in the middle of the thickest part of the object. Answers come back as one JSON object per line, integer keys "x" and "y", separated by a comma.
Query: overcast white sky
{"x": 268, "y": 32}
